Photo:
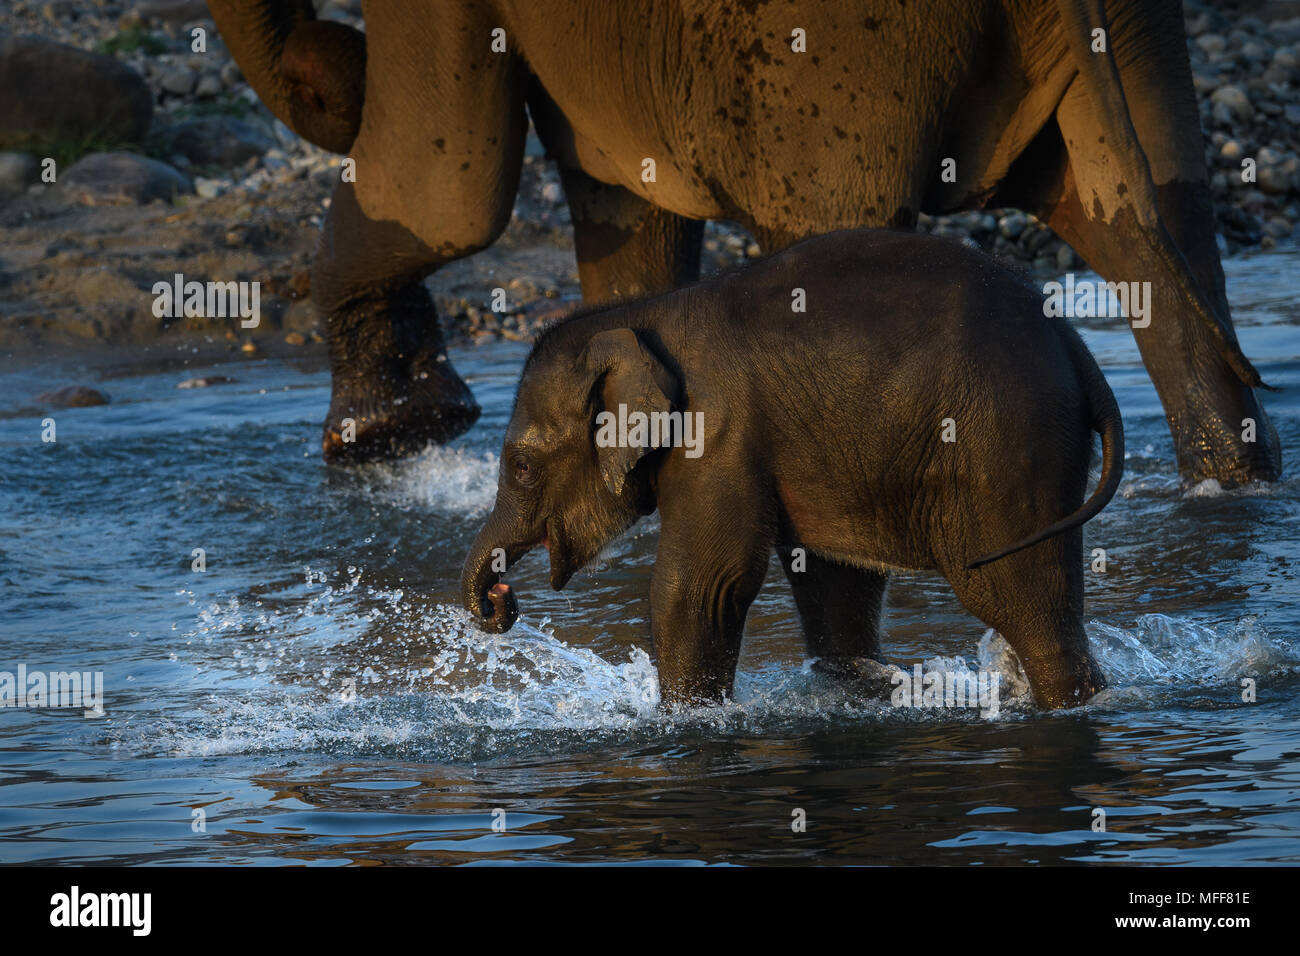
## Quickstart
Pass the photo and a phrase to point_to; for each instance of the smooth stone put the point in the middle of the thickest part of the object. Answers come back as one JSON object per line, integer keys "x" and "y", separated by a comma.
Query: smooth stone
{"x": 123, "y": 179}
{"x": 73, "y": 396}
{"x": 51, "y": 92}
{"x": 217, "y": 140}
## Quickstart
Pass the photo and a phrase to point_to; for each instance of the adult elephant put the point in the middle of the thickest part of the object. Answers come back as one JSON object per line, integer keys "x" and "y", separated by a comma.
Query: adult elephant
{"x": 1097, "y": 133}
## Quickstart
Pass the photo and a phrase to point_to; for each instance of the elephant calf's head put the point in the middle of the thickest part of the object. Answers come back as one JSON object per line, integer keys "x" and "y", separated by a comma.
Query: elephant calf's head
{"x": 558, "y": 486}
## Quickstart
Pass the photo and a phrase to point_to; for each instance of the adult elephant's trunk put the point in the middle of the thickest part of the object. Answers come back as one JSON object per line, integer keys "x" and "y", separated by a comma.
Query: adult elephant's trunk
{"x": 490, "y": 602}
{"x": 310, "y": 73}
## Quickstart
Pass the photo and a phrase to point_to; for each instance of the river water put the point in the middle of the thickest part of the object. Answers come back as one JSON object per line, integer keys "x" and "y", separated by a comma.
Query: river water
{"x": 231, "y": 732}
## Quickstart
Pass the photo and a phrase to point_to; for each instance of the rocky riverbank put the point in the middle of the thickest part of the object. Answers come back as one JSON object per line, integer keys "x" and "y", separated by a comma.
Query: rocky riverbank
{"x": 167, "y": 163}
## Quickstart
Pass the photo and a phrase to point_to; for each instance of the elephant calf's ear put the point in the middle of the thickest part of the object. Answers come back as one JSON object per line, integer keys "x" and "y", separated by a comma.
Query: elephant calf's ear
{"x": 624, "y": 372}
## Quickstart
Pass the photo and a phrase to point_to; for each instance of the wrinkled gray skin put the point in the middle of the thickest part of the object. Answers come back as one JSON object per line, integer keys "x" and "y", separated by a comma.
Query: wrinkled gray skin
{"x": 1105, "y": 146}
{"x": 822, "y": 431}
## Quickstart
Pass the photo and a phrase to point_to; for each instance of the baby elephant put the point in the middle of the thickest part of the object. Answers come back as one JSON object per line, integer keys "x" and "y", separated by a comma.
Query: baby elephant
{"x": 862, "y": 402}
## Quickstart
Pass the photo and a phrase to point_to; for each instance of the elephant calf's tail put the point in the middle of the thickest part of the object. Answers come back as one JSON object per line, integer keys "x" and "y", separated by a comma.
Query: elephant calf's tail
{"x": 1106, "y": 422}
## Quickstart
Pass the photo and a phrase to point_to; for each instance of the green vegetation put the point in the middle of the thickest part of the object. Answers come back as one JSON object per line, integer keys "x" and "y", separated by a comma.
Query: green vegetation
{"x": 65, "y": 152}
{"x": 131, "y": 39}
{"x": 223, "y": 104}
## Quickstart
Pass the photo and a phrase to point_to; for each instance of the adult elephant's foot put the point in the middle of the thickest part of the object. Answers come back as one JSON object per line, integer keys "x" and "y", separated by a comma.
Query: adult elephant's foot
{"x": 396, "y": 413}
{"x": 394, "y": 389}
{"x": 1234, "y": 448}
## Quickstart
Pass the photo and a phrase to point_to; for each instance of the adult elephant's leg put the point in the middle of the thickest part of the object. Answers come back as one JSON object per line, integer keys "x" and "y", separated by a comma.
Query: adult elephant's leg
{"x": 393, "y": 388}
{"x": 1096, "y": 210}
{"x": 625, "y": 246}
{"x": 437, "y": 167}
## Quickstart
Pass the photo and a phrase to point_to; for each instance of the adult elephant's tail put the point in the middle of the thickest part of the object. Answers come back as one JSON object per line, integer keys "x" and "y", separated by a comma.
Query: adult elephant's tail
{"x": 310, "y": 73}
{"x": 1101, "y": 80}
{"x": 1106, "y": 421}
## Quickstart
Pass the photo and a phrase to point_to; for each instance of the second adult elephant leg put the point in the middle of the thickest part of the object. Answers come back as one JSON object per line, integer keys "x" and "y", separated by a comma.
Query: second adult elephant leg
{"x": 1209, "y": 408}
{"x": 625, "y": 246}
{"x": 437, "y": 162}
{"x": 393, "y": 388}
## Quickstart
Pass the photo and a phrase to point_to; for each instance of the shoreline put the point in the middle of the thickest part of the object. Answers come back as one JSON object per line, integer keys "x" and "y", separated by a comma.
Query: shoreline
{"x": 77, "y": 266}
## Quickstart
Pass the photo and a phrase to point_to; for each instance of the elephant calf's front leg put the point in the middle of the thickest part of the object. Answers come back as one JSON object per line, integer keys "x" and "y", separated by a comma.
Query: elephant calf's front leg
{"x": 702, "y": 588}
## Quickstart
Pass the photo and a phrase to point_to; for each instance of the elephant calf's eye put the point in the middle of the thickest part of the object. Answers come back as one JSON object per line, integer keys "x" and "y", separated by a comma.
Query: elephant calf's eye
{"x": 525, "y": 472}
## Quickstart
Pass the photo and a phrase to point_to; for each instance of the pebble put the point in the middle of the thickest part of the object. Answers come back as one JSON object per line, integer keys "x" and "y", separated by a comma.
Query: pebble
{"x": 1211, "y": 43}
{"x": 1234, "y": 102}
{"x": 209, "y": 85}
{"x": 177, "y": 80}
{"x": 209, "y": 188}
{"x": 17, "y": 172}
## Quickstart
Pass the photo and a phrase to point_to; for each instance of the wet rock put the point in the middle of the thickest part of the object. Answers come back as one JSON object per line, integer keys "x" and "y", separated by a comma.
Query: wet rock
{"x": 1037, "y": 240}
{"x": 51, "y": 93}
{"x": 338, "y": 7}
{"x": 209, "y": 85}
{"x": 173, "y": 11}
{"x": 1065, "y": 258}
{"x": 1278, "y": 180}
{"x": 1231, "y": 152}
{"x": 1012, "y": 224}
{"x": 1198, "y": 25}
{"x": 56, "y": 10}
{"x": 73, "y": 396}
{"x": 206, "y": 381}
{"x": 210, "y": 188}
{"x": 217, "y": 140}
{"x": 1278, "y": 227}
{"x": 123, "y": 179}
{"x": 177, "y": 79}
{"x": 1268, "y": 156}
{"x": 1233, "y": 103}
{"x": 17, "y": 172}
{"x": 1211, "y": 44}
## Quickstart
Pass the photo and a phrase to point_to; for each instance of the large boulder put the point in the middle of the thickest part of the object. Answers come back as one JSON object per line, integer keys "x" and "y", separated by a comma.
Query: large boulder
{"x": 102, "y": 179}
{"x": 17, "y": 172}
{"x": 217, "y": 140}
{"x": 54, "y": 93}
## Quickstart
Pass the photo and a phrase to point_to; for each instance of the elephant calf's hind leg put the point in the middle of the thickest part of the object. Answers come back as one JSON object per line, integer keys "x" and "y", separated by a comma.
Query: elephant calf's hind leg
{"x": 840, "y": 607}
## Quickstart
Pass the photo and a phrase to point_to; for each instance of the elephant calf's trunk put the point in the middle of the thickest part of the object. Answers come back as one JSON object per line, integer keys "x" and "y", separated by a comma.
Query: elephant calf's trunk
{"x": 489, "y": 601}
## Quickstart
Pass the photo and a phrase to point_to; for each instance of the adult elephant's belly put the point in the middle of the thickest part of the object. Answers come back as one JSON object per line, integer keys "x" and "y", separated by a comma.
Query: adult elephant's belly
{"x": 852, "y": 132}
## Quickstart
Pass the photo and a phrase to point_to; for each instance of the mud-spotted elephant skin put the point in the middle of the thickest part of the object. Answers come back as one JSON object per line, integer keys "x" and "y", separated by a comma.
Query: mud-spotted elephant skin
{"x": 922, "y": 413}
{"x": 793, "y": 117}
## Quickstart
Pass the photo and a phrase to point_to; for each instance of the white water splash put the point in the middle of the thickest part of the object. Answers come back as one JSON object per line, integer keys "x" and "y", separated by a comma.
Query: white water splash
{"x": 439, "y": 478}
{"x": 351, "y": 669}
{"x": 1166, "y": 650}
